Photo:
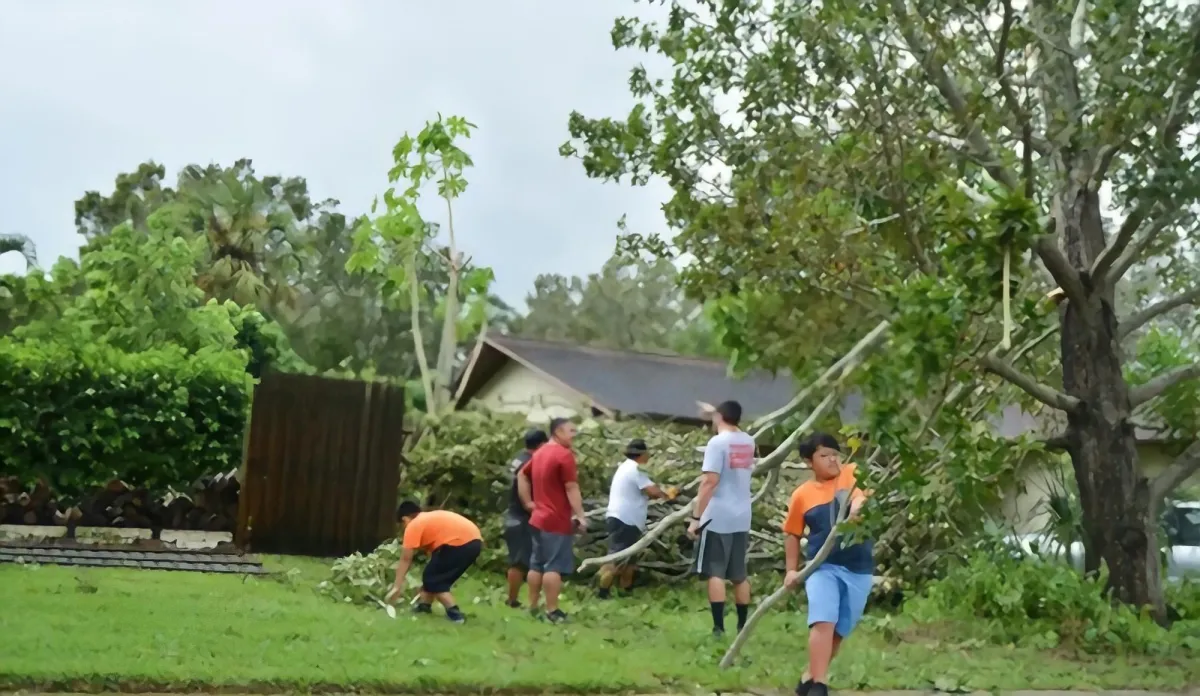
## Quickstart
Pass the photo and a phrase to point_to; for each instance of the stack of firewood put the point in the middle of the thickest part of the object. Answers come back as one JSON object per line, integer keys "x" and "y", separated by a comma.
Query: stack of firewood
{"x": 210, "y": 505}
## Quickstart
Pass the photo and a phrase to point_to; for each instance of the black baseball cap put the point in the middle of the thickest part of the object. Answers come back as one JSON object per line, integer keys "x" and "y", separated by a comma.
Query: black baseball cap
{"x": 636, "y": 448}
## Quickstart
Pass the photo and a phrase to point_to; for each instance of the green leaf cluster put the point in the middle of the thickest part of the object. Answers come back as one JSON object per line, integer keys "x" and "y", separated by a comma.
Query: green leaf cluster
{"x": 80, "y": 415}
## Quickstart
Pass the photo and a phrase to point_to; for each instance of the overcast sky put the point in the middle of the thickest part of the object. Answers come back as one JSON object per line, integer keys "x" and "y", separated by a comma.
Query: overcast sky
{"x": 321, "y": 89}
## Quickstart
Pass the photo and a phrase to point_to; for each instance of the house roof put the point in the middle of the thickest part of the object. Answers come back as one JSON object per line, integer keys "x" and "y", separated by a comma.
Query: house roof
{"x": 668, "y": 386}
{"x": 632, "y": 383}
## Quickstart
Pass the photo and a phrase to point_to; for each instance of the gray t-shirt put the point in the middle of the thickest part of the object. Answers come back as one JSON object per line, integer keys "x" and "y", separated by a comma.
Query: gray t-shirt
{"x": 729, "y": 455}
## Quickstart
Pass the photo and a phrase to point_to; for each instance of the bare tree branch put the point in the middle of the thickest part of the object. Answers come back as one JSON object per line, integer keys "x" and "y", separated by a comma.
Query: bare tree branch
{"x": 1137, "y": 320}
{"x": 1145, "y": 392}
{"x": 1176, "y": 473}
{"x": 1135, "y": 250}
{"x": 1046, "y": 394}
{"x": 868, "y": 342}
{"x": 1060, "y": 269}
{"x": 935, "y": 69}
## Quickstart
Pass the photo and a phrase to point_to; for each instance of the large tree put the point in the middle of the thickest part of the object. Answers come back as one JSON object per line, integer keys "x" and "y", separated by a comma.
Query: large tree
{"x": 838, "y": 162}
{"x": 631, "y": 304}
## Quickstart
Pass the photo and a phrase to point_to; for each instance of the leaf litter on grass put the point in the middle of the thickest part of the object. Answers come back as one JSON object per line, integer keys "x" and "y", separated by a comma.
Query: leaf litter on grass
{"x": 196, "y": 628}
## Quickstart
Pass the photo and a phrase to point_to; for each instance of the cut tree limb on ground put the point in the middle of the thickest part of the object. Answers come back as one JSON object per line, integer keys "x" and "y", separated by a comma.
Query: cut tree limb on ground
{"x": 773, "y": 598}
{"x": 837, "y": 374}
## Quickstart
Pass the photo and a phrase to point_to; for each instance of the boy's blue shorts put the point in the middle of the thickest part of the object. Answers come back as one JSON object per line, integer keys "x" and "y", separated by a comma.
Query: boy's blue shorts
{"x": 837, "y": 596}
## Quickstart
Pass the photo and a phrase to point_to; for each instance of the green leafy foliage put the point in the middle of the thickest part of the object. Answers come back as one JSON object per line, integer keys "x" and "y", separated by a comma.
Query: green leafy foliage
{"x": 399, "y": 244}
{"x": 631, "y": 304}
{"x": 1002, "y": 596}
{"x": 80, "y": 416}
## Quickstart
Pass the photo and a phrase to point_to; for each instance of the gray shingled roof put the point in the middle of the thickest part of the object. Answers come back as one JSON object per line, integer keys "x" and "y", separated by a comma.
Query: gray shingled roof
{"x": 647, "y": 383}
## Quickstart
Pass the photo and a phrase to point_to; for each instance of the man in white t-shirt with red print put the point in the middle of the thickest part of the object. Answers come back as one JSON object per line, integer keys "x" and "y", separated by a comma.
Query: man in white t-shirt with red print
{"x": 721, "y": 519}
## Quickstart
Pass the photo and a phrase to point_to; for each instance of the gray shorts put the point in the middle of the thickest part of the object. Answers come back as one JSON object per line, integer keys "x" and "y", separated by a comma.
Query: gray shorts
{"x": 621, "y": 536}
{"x": 722, "y": 555}
{"x": 519, "y": 540}
{"x": 552, "y": 553}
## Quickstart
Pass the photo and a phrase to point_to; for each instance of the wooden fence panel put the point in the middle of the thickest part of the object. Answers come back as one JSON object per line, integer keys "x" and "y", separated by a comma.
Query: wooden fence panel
{"x": 322, "y": 466}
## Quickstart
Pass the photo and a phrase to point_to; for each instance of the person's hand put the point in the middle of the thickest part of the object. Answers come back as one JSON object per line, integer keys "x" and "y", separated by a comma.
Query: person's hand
{"x": 671, "y": 492}
{"x": 694, "y": 529}
{"x": 791, "y": 579}
{"x": 580, "y": 523}
{"x": 394, "y": 594}
{"x": 856, "y": 508}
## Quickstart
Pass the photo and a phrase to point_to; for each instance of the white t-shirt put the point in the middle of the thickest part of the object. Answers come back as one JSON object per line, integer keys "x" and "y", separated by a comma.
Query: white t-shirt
{"x": 729, "y": 455}
{"x": 627, "y": 500}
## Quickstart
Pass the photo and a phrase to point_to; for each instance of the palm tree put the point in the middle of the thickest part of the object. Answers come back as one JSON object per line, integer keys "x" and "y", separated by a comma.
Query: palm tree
{"x": 248, "y": 230}
{"x": 22, "y": 245}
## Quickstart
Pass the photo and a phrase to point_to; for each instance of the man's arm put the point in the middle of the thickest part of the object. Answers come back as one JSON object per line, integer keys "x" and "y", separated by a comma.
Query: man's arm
{"x": 708, "y": 484}
{"x": 714, "y": 466}
{"x": 570, "y": 479}
{"x": 653, "y": 492}
{"x": 402, "y": 566}
{"x": 793, "y": 529}
{"x": 524, "y": 487}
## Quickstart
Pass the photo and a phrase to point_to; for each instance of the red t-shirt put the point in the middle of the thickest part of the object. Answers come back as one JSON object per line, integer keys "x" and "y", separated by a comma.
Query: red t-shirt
{"x": 550, "y": 470}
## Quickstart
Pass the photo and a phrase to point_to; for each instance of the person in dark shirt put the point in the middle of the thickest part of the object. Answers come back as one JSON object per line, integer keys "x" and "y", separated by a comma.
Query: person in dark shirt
{"x": 557, "y": 516}
{"x": 517, "y": 535}
{"x": 838, "y": 589}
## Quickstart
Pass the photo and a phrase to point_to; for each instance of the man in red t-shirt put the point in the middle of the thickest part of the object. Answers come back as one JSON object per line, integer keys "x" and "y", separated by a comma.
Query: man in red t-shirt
{"x": 557, "y": 515}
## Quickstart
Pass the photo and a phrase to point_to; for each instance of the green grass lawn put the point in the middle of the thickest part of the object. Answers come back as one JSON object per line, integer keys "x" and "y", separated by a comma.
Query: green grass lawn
{"x": 90, "y": 629}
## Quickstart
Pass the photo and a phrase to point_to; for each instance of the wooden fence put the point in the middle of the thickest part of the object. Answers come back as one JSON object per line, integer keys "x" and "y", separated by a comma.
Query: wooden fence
{"x": 322, "y": 466}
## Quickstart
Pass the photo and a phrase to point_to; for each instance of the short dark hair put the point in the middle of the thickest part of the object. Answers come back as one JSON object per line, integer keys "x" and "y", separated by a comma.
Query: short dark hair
{"x": 408, "y": 508}
{"x": 556, "y": 423}
{"x": 636, "y": 448}
{"x": 815, "y": 442}
{"x": 535, "y": 438}
{"x": 731, "y": 412}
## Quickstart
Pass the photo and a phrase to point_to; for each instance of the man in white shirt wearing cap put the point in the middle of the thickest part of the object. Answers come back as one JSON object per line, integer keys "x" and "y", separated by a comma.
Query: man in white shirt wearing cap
{"x": 628, "y": 506}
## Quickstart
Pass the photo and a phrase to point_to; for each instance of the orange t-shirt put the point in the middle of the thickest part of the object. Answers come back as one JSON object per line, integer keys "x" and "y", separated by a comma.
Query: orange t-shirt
{"x": 432, "y": 530}
{"x": 813, "y": 505}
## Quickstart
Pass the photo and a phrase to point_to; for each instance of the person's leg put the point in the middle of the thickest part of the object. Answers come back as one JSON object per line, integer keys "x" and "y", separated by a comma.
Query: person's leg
{"x": 627, "y": 574}
{"x": 608, "y": 573}
{"x": 561, "y": 563}
{"x": 824, "y": 607}
{"x": 517, "y": 539}
{"x": 452, "y": 563}
{"x": 552, "y": 584}
{"x": 712, "y": 563}
{"x": 738, "y": 574}
{"x": 537, "y": 564}
{"x": 516, "y": 578}
{"x": 854, "y": 591}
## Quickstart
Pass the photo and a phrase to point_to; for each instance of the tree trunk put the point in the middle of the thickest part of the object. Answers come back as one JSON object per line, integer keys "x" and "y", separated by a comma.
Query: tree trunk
{"x": 1114, "y": 495}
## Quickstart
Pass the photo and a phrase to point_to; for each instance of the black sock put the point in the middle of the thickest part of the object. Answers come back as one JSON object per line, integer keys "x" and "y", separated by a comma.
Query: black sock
{"x": 743, "y": 610}
{"x": 718, "y": 614}
{"x": 453, "y": 611}
{"x": 605, "y": 593}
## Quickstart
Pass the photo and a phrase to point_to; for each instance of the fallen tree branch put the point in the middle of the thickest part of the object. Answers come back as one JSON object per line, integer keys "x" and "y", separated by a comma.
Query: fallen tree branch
{"x": 773, "y": 598}
{"x": 768, "y": 464}
{"x": 1178, "y": 471}
{"x": 1145, "y": 392}
{"x": 777, "y": 416}
{"x": 1043, "y": 393}
{"x": 1137, "y": 320}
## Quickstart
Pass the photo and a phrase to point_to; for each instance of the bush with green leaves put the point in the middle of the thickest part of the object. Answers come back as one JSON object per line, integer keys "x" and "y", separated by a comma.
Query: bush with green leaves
{"x": 82, "y": 414}
{"x": 1009, "y": 598}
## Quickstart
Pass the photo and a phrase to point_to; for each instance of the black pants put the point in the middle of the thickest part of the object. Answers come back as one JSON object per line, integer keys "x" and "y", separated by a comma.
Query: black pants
{"x": 447, "y": 564}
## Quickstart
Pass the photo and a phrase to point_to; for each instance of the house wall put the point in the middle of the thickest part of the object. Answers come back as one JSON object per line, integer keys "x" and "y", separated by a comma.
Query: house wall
{"x": 1024, "y": 505}
{"x": 518, "y": 389}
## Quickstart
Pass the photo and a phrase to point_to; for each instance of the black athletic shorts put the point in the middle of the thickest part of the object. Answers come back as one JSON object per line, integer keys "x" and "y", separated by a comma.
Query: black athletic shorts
{"x": 447, "y": 564}
{"x": 620, "y": 535}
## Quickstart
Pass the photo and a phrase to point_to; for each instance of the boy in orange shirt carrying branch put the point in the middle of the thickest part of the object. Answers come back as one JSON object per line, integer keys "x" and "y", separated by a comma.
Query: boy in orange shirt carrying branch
{"x": 453, "y": 544}
{"x": 838, "y": 589}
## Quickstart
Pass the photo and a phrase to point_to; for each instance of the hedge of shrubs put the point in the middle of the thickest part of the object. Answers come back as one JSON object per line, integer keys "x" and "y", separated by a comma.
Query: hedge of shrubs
{"x": 79, "y": 417}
